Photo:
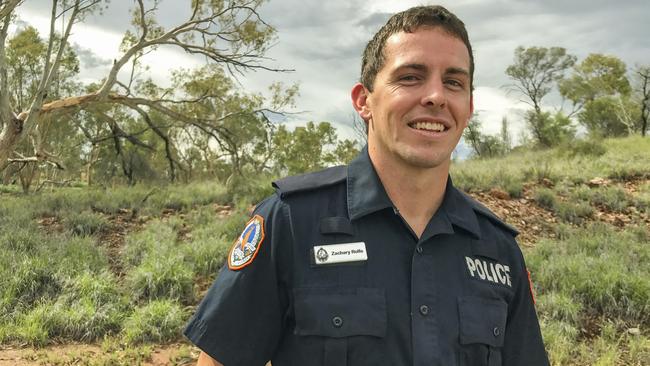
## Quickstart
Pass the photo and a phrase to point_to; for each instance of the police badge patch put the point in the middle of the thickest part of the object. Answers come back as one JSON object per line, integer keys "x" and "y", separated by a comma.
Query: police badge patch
{"x": 247, "y": 245}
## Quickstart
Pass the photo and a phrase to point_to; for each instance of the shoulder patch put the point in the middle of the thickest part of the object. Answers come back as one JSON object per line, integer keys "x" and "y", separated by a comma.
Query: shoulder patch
{"x": 246, "y": 247}
{"x": 311, "y": 181}
{"x": 484, "y": 211}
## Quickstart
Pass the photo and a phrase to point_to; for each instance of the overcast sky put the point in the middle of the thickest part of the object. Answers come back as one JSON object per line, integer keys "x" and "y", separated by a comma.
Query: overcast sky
{"x": 323, "y": 41}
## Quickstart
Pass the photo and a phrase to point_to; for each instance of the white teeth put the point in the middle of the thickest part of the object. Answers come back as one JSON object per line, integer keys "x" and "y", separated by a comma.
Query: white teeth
{"x": 439, "y": 127}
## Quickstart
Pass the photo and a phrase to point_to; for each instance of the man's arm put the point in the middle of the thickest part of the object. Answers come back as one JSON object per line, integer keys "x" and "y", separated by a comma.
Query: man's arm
{"x": 205, "y": 360}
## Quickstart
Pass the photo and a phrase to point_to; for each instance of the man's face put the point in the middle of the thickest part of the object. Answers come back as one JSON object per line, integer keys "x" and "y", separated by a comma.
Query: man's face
{"x": 421, "y": 101}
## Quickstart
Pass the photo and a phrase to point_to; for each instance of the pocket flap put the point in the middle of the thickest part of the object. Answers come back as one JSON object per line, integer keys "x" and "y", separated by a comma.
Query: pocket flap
{"x": 482, "y": 320}
{"x": 340, "y": 312}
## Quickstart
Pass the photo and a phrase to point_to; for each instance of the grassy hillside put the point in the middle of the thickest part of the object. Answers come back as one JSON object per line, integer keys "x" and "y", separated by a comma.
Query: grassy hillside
{"x": 123, "y": 268}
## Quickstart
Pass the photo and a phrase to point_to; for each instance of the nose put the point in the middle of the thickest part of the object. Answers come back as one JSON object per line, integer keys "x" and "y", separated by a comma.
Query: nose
{"x": 434, "y": 94}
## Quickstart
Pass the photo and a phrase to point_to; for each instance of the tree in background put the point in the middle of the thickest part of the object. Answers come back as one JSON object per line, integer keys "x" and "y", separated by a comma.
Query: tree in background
{"x": 227, "y": 33}
{"x": 506, "y": 139}
{"x": 601, "y": 95}
{"x": 484, "y": 146}
{"x": 642, "y": 75}
{"x": 536, "y": 70}
{"x": 309, "y": 148}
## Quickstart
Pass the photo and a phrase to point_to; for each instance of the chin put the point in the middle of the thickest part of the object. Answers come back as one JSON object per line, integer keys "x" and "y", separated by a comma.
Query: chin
{"x": 426, "y": 160}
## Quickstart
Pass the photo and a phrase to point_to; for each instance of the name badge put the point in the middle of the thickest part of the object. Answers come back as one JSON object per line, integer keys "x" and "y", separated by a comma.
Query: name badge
{"x": 340, "y": 253}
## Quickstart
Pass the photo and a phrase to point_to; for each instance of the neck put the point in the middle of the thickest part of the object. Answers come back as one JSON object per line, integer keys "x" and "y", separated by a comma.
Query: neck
{"x": 415, "y": 191}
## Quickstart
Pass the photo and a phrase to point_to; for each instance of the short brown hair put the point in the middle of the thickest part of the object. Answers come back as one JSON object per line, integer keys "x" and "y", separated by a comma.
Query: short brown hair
{"x": 409, "y": 21}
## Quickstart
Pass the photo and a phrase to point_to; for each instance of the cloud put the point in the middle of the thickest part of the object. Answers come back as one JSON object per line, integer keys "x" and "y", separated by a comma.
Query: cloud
{"x": 323, "y": 41}
{"x": 88, "y": 58}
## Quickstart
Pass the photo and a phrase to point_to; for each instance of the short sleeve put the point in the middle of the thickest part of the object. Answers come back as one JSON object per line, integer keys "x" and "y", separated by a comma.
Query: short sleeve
{"x": 523, "y": 343}
{"x": 240, "y": 319}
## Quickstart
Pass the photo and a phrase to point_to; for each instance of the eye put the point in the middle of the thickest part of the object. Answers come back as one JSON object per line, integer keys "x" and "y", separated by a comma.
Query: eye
{"x": 457, "y": 84}
{"x": 409, "y": 78}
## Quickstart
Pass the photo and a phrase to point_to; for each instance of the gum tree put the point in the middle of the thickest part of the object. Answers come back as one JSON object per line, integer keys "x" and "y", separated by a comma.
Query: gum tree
{"x": 228, "y": 33}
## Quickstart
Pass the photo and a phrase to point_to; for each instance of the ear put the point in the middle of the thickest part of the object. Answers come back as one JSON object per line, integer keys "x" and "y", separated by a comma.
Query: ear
{"x": 471, "y": 109}
{"x": 360, "y": 103}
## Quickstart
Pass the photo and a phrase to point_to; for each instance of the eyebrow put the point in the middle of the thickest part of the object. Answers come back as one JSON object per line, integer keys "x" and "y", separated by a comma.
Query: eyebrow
{"x": 424, "y": 68}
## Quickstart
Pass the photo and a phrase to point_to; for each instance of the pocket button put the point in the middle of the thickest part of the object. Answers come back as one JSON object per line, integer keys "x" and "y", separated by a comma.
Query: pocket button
{"x": 337, "y": 321}
{"x": 496, "y": 331}
{"x": 424, "y": 310}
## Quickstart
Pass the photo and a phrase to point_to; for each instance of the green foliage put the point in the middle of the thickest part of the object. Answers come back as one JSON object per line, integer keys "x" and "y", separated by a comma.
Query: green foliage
{"x": 610, "y": 116}
{"x": 484, "y": 146}
{"x": 575, "y": 213}
{"x": 596, "y": 76}
{"x": 546, "y": 198}
{"x": 156, "y": 236}
{"x": 596, "y": 267}
{"x": 85, "y": 223}
{"x": 585, "y": 147}
{"x": 158, "y": 321}
{"x": 162, "y": 276}
{"x": 625, "y": 158}
{"x": 309, "y": 148}
{"x": 549, "y": 130}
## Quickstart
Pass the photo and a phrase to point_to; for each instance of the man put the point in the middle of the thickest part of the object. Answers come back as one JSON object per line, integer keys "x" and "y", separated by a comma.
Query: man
{"x": 382, "y": 262}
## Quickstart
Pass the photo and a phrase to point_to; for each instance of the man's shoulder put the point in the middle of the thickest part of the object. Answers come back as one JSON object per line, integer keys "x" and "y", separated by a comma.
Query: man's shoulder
{"x": 482, "y": 211}
{"x": 311, "y": 181}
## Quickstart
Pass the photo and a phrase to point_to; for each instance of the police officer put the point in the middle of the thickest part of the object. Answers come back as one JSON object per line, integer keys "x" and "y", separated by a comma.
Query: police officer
{"x": 382, "y": 262}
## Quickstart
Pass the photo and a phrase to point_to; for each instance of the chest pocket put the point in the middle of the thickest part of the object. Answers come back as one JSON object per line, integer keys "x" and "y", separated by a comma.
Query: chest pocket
{"x": 482, "y": 330}
{"x": 335, "y": 316}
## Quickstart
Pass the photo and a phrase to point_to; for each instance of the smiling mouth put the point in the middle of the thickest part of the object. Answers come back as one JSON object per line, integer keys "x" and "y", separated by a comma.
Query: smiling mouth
{"x": 428, "y": 126}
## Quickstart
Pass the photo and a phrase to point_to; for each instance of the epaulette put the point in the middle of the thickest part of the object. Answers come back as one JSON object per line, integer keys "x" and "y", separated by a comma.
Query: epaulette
{"x": 481, "y": 209}
{"x": 311, "y": 181}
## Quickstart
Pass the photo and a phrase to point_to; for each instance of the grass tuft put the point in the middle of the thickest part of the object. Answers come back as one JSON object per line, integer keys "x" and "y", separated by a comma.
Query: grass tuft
{"x": 158, "y": 321}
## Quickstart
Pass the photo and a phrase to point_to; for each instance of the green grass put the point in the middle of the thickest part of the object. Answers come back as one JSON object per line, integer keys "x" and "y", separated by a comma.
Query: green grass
{"x": 85, "y": 223}
{"x": 57, "y": 283}
{"x": 158, "y": 321}
{"x": 593, "y": 275}
{"x": 624, "y": 158}
{"x": 602, "y": 270}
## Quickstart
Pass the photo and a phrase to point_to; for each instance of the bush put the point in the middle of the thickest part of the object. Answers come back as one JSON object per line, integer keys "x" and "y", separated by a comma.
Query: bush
{"x": 85, "y": 223}
{"x": 158, "y": 321}
{"x": 207, "y": 255}
{"x": 545, "y": 198}
{"x": 612, "y": 198}
{"x": 599, "y": 268}
{"x": 574, "y": 213}
{"x": 20, "y": 239}
{"x": 73, "y": 255}
{"x": 164, "y": 276}
{"x": 156, "y": 236}
{"x": 589, "y": 147}
{"x": 32, "y": 280}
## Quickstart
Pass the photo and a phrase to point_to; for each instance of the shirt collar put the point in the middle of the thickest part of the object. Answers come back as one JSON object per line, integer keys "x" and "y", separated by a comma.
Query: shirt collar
{"x": 366, "y": 194}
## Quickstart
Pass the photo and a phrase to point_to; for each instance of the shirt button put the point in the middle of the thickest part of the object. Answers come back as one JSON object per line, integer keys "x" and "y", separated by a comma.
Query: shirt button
{"x": 496, "y": 331}
{"x": 337, "y": 321}
{"x": 419, "y": 249}
{"x": 424, "y": 310}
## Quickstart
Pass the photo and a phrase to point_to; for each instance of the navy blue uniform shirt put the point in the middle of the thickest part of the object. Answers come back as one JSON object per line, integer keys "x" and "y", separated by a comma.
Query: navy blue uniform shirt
{"x": 458, "y": 295}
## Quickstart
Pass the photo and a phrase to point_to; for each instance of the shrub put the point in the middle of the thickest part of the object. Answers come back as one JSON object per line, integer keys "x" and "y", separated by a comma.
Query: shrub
{"x": 599, "y": 268}
{"x": 155, "y": 237}
{"x": 85, "y": 223}
{"x": 559, "y": 306}
{"x": 20, "y": 239}
{"x": 545, "y": 198}
{"x": 73, "y": 255}
{"x": 32, "y": 280}
{"x": 163, "y": 276}
{"x": 574, "y": 213}
{"x": 207, "y": 255}
{"x": 559, "y": 340}
{"x": 612, "y": 198}
{"x": 589, "y": 147}
{"x": 158, "y": 321}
